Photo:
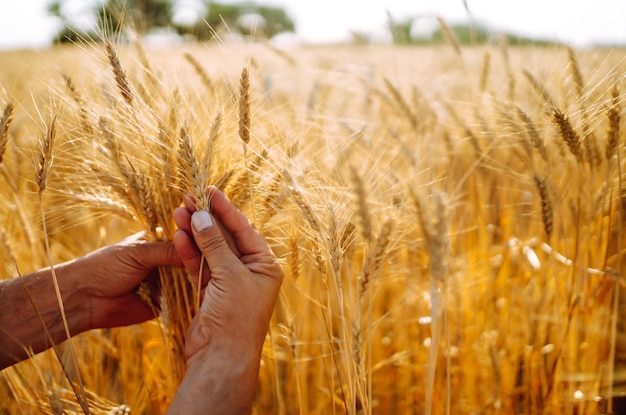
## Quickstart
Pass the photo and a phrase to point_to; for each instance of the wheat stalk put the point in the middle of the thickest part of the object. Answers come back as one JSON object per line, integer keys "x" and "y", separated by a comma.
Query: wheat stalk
{"x": 42, "y": 174}
{"x": 434, "y": 224}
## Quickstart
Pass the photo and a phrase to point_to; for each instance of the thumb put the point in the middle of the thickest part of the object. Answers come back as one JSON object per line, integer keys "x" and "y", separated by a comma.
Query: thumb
{"x": 210, "y": 239}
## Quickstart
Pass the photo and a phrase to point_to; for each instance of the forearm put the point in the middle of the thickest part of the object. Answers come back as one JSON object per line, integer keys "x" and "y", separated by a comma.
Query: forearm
{"x": 218, "y": 382}
{"x": 28, "y": 304}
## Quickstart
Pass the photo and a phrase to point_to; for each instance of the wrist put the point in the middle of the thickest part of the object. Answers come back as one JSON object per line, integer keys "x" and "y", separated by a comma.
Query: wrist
{"x": 220, "y": 378}
{"x": 75, "y": 303}
{"x": 33, "y": 298}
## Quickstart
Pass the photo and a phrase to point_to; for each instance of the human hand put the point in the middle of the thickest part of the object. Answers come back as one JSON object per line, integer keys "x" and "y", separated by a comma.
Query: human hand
{"x": 107, "y": 279}
{"x": 241, "y": 280}
{"x": 97, "y": 291}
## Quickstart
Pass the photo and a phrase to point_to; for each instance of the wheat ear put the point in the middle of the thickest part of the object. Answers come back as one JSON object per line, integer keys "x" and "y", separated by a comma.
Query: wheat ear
{"x": 576, "y": 73}
{"x": 504, "y": 51}
{"x": 196, "y": 183}
{"x": 5, "y": 121}
{"x": 244, "y": 107}
{"x": 484, "y": 74}
{"x": 401, "y": 103}
{"x": 533, "y": 134}
{"x": 80, "y": 102}
{"x": 449, "y": 35}
{"x": 118, "y": 73}
{"x": 244, "y": 127}
{"x": 570, "y": 136}
{"x": 614, "y": 118}
{"x": 540, "y": 89}
{"x": 546, "y": 205}
{"x": 204, "y": 76}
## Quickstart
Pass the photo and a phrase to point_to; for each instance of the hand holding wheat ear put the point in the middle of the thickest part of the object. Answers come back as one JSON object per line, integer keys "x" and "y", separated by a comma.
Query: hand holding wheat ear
{"x": 225, "y": 339}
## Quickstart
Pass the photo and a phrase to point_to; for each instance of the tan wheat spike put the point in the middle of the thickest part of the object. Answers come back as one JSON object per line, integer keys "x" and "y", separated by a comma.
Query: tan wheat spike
{"x": 143, "y": 59}
{"x": 570, "y": 136}
{"x": 504, "y": 51}
{"x": 214, "y": 134}
{"x": 119, "y": 73}
{"x": 45, "y": 156}
{"x": 271, "y": 201}
{"x": 145, "y": 192}
{"x": 423, "y": 106}
{"x": 204, "y": 76}
{"x": 533, "y": 134}
{"x": 468, "y": 132}
{"x": 244, "y": 106}
{"x": 313, "y": 221}
{"x": 375, "y": 258}
{"x": 5, "y": 121}
{"x": 335, "y": 250}
{"x": 140, "y": 190}
{"x": 546, "y": 205}
{"x": 484, "y": 74}
{"x": 589, "y": 139}
{"x": 614, "y": 118}
{"x": 303, "y": 204}
{"x": 294, "y": 261}
{"x": 281, "y": 53}
{"x": 434, "y": 225}
{"x": 540, "y": 88}
{"x": 189, "y": 172}
{"x": 239, "y": 188}
{"x": 401, "y": 102}
{"x": 576, "y": 74}
{"x": 119, "y": 158}
{"x": 80, "y": 102}
{"x": 167, "y": 161}
{"x": 449, "y": 35}
{"x": 362, "y": 208}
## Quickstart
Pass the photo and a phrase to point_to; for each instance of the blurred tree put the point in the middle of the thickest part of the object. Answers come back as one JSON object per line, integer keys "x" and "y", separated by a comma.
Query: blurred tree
{"x": 276, "y": 20}
{"x": 114, "y": 15}
{"x": 140, "y": 15}
{"x": 245, "y": 18}
{"x": 144, "y": 15}
{"x": 400, "y": 30}
{"x": 69, "y": 32}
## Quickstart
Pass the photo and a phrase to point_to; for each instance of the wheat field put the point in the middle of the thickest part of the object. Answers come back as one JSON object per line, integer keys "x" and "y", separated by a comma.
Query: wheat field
{"x": 449, "y": 221}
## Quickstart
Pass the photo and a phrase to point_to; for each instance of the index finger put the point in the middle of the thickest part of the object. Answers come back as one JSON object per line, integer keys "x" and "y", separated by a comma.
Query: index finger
{"x": 245, "y": 236}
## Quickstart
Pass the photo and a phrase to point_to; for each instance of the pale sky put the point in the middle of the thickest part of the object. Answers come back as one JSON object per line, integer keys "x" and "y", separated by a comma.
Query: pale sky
{"x": 23, "y": 23}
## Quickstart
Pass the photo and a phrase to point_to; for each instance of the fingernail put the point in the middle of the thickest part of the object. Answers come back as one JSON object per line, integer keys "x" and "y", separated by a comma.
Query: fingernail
{"x": 201, "y": 220}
